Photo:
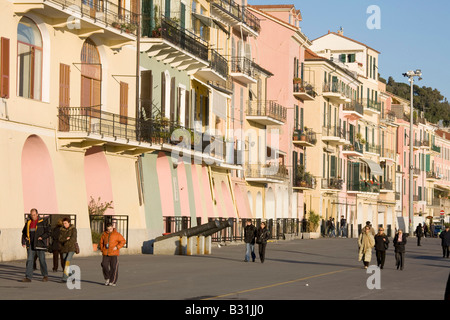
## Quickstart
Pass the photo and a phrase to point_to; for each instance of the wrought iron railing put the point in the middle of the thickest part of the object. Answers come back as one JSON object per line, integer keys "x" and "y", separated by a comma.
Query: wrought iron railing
{"x": 120, "y": 223}
{"x": 218, "y": 63}
{"x": 266, "y": 108}
{"x": 304, "y": 87}
{"x": 267, "y": 171}
{"x": 238, "y": 12}
{"x": 104, "y": 11}
{"x": 243, "y": 65}
{"x": 332, "y": 183}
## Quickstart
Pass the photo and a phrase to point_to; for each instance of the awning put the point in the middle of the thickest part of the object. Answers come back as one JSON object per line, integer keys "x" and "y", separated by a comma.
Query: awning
{"x": 375, "y": 168}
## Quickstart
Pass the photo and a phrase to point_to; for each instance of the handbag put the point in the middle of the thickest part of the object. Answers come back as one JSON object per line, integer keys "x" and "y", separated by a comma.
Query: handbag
{"x": 77, "y": 248}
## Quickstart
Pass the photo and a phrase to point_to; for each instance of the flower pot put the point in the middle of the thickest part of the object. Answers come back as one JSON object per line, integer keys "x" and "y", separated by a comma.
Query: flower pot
{"x": 95, "y": 246}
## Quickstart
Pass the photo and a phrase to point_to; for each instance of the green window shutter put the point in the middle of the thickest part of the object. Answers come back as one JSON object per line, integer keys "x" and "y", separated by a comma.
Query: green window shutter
{"x": 296, "y": 117}
{"x": 333, "y": 166}
{"x": 301, "y": 119}
{"x": 428, "y": 163}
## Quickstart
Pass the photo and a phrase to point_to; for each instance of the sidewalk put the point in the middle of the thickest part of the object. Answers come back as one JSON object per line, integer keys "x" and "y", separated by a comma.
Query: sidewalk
{"x": 298, "y": 269}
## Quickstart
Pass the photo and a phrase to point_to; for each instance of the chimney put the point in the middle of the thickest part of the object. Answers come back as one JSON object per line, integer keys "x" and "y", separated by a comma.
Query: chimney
{"x": 341, "y": 31}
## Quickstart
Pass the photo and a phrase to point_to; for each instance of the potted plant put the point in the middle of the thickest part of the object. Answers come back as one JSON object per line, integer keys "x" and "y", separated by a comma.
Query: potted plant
{"x": 312, "y": 225}
{"x": 96, "y": 211}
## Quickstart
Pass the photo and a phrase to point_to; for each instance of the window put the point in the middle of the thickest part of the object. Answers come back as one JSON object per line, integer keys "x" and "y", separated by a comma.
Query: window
{"x": 29, "y": 60}
{"x": 91, "y": 75}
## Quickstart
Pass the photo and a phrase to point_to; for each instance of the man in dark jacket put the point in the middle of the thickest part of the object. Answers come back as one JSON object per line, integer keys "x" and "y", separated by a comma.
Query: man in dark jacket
{"x": 445, "y": 242}
{"x": 35, "y": 235}
{"x": 419, "y": 233}
{"x": 249, "y": 239}
{"x": 262, "y": 235}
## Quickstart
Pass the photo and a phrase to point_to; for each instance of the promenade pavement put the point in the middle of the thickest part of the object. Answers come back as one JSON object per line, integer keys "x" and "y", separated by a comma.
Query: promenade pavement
{"x": 320, "y": 269}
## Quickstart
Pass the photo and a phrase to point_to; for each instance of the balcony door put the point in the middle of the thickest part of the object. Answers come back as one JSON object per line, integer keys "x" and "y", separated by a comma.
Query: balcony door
{"x": 91, "y": 71}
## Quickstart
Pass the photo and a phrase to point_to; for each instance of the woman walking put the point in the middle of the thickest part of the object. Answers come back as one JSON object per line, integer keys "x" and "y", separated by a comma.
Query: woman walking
{"x": 261, "y": 239}
{"x": 68, "y": 240}
{"x": 56, "y": 246}
{"x": 381, "y": 245}
{"x": 365, "y": 243}
{"x": 399, "y": 245}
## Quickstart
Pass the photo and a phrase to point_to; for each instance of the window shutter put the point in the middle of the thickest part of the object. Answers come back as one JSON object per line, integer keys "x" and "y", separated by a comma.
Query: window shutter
{"x": 172, "y": 99}
{"x": 146, "y": 93}
{"x": 123, "y": 102}
{"x": 333, "y": 167}
{"x": 163, "y": 94}
{"x": 64, "y": 98}
{"x": 4, "y": 71}
{"x": 188, "y": 110}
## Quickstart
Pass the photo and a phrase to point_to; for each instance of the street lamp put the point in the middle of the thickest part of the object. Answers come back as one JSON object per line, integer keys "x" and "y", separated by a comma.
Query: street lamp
{"x": 410, "y": 75}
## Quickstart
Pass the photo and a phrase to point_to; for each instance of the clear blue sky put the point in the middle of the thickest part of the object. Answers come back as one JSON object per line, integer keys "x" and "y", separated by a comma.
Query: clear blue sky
{"x": 413, "y": 35}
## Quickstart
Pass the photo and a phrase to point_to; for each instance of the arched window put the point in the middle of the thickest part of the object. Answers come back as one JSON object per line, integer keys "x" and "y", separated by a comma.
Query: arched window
{"x": 29, "y": 60}
{"x": 91, "y": 75}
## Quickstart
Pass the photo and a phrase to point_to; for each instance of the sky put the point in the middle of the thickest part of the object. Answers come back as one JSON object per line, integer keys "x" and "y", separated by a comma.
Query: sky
{"x": 412, "y": 35}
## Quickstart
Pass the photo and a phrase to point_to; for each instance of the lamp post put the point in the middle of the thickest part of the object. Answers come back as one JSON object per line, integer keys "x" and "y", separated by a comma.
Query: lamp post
{"x": 410, "y": 75}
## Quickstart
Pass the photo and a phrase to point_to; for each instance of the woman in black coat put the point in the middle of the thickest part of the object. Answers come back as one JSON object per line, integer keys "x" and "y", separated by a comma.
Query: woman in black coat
{"x": 261, "y": 239}
{"x": 381, "y": 245}
{"x": 399, "y": 245}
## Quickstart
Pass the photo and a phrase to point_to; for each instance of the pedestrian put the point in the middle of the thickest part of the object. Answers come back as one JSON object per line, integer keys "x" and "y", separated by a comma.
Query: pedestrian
{"x": 261, "y": 239}
{"x": 343, "y": 228}
{"x": 35, "y": 236}
{"x": 110, "y": 244}
{"x": 249, "y": 239}
{"x": 399, "y": 245}
{"x": 366, "y": 242}
{"x": 381, "y": 245}
{"x": 68, "y": 240}
{"x": 372, "y": 230}
{"x": 419, "y": 234}
{"x": 56, "y": 246}
{"x": 425, "y": 230}
{"x": 445, "y": 242}
{"x": 333, "y": 228}
{"x": 432, "y": 230}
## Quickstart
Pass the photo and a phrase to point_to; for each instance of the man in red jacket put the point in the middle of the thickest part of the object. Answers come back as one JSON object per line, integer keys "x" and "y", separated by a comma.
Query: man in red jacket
{"x": 110, "y": 244}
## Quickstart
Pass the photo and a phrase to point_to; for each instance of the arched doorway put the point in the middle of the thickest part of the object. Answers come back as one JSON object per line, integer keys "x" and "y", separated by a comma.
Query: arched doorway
{"x": 38, "y": 180}
{"x": 98, "y": 178}
{"x": 270, "y": 204}
{"x": 259, "y": 205}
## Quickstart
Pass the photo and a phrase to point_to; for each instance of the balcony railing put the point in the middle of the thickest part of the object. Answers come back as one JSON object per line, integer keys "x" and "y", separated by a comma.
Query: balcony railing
{"x": 364, "y": 186}
{"x": 372, "y": 148}
{"x": 386, "y": 185}
{"x": 243, "y": 65}
{"x": 306, "y": 181}
{"x": 266, "y": 171}
{"x": 306, "y": 135}
{"x": 267, "y": 108}
{"x": 372, "y": 105}
{"x": 354, "y": 106}
{"x": 332, "y": 131}
{"x": 238, "y": 13}
{"x": 103, "y": 11}
{"x": 305, "y": 88}
{"x": 355, "y": 146}
{"x": 387, "y": 153}
{"x": 182, "y": 38}
{"x": 218, "y": 63}
{"x": 433, "y": 175}
{"x": 332, "y": 183}
{"x": 435, "y": 148}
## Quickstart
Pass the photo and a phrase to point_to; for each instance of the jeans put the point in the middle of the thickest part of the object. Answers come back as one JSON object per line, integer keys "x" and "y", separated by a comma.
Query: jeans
{"x": 67, "y": 256}
{"x": 30, "y": 261}
{"x": 250, "y": 249}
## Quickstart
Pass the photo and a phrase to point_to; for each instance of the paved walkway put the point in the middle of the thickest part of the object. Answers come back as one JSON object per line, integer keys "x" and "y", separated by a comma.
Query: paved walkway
{"x": 299, "y": 269}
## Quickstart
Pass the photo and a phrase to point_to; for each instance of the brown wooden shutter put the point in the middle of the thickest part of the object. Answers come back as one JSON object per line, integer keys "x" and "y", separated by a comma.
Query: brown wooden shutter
{"x": 123, "y": 102}
{"x": 64, "y": 97}
{"x": 147, "y": 92}
{"x": 4, "y": 65}
{"x": 163, "y": 95}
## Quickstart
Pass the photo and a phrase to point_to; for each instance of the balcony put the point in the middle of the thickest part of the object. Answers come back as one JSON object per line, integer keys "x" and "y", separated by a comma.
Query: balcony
{"x": 435, "y": 149}
{"x": 371, "y": 107}
{"x": 304, "y": 138}
{"x": 354, "y": 149}
{"x": 387, "y": 154}
{"x": 386, "y": 186}
{"x": 333, "y": 135}
{"x": 176, "y": 46}
{"x": 332, "y": 184}
{"x": 364, "y": 186}
{"x": 373, "y": 148}
{"x": 266, "y": 112}
{"x": 243, "y": 70}
{"x": 388, "y": 118}
{"x": 217, "y": 71}
{"x": 353, "y": 110}
{"x": 425, "y": 144}
{"x": 303, "y": 180}
{"x": 87, "y": 17}
{"x": 304, "y": 91}
{"x": 334, "y": 93}
{"x": 433, "y": 176}
{"x": 84, "y": 127}
{"x": 416, "y": 172}
{"x": 266, "y": 173}
{"x": 236, "y": 15}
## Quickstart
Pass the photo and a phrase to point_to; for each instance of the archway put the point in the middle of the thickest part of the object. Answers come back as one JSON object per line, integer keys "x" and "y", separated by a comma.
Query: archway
{"x": 38, "y": 180}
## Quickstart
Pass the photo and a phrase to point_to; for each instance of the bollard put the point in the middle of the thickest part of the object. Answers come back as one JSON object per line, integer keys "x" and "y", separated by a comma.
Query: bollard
{"x": 201, "y": 245}
{"x": 183, "y": 245}
{"x": 208, "y": 245}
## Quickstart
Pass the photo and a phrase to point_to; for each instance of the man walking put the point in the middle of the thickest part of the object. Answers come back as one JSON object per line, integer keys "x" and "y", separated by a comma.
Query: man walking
{"x": 249, "y": 239}
{"x": 343, "y": 228}
{"x": 110, "y": 244}
{"x": 445, "y": 242}
{"x": 419, "y": 234}
{"x": 35, "y": 235}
